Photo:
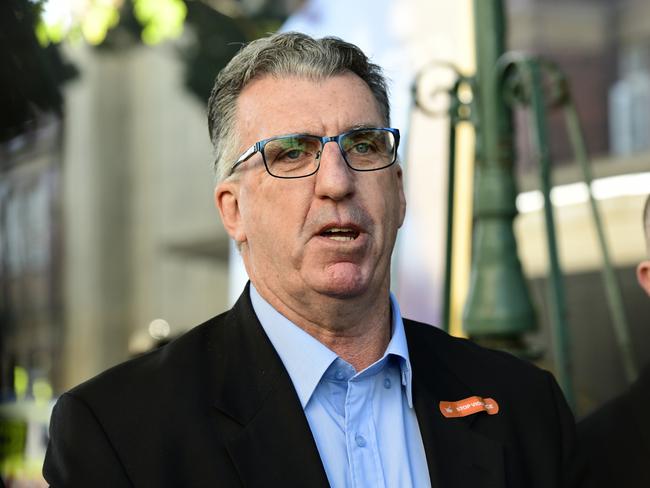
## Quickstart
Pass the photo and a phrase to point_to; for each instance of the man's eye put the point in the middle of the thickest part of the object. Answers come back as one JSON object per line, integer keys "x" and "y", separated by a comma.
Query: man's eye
{"x": 362, "y": 148}
{"x": 292, "y": 154}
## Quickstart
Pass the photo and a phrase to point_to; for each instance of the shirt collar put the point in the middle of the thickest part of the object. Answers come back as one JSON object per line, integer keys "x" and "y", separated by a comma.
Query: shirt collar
{"x": 306, "y": 359}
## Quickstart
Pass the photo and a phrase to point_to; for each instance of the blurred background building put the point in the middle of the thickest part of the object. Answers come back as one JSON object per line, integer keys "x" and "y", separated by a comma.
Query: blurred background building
{"x": 109, "y": 240}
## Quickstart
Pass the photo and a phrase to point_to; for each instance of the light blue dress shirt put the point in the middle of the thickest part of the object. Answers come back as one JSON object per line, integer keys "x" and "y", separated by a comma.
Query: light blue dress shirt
{"x": 363, "y": 422}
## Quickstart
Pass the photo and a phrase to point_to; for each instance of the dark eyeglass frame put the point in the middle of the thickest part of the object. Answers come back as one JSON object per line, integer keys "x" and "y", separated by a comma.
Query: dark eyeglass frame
{"x": 258, "y": 147}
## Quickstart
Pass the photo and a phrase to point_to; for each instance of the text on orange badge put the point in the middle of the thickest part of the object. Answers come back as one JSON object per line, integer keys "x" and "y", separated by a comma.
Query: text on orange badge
{"x": 469, "y": 406}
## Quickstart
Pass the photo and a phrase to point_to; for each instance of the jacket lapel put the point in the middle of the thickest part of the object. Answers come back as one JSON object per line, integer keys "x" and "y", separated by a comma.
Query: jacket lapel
{"x": 257, "y": 409}
{"x": 456, "y": 454}
{"x": 458, "y": 451}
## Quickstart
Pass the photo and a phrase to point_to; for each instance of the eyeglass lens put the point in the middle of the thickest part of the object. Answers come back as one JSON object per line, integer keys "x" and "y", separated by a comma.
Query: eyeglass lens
{"x": 298, "y": 155}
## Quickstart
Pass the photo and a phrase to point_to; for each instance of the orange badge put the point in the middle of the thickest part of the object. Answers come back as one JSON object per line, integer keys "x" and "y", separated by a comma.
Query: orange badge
{"x": 469, "y": 406}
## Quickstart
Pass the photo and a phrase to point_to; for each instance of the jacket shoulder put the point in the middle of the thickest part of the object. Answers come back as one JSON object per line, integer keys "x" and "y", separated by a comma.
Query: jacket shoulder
{"x": 159, "y": 372}
{"x": 463, "y": 355}
{"x": 139, "y": 417}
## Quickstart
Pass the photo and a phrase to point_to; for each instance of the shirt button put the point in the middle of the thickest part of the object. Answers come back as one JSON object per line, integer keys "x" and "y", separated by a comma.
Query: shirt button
{"x": 387, "y": 383}
{"x": 339, "y": 375}
{"x": 361, "y": 441}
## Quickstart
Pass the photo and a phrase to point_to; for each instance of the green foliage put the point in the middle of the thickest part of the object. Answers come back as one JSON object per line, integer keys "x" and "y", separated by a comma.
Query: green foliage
{"x": 161, "y": 19}
{"x": 30, "y": 74}
{"x": 212, "y": 37}
{"x": 32, "y": 69}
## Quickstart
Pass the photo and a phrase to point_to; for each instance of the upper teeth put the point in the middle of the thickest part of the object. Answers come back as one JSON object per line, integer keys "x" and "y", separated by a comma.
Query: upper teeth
{"x": 334, "y": 230}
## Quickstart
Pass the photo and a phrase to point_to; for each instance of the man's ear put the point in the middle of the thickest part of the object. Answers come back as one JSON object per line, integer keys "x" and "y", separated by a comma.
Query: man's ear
{"x": 402, "y": 196}
{"x": 226, "y": 199}
{"x": 643, "y": 275}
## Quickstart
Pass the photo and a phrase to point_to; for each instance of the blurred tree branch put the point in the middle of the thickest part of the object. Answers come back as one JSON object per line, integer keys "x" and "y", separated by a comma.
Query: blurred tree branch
{"x": 30, "y": 75}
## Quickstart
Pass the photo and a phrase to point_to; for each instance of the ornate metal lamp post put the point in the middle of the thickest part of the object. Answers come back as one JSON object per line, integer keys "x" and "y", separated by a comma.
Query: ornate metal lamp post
{"x": 498, "y": 308}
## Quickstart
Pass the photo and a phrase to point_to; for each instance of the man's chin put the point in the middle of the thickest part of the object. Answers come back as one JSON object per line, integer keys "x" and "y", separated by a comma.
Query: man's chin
{"x": 343, "y": 292}
{"x": 344, "y": 280}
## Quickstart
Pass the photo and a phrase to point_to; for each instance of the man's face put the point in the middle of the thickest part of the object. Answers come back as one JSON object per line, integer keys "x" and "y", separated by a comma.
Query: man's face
{"x": 284, "y": 225}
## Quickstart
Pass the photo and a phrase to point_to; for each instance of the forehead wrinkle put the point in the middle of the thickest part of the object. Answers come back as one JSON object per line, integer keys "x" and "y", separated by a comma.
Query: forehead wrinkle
{"x": 310, "y": 120}
{"x": 316, "y": 129}
{"x": 322, "y": 133}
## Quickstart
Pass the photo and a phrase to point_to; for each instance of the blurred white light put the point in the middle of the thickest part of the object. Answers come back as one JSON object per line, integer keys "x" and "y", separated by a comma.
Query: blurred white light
{"x": 159, "y": 329}
{"x": 58, "y": 12}
{"x": 530, "y": 201}
{"x": 616, "y": 186}
{"x": 571, "y": 194}
{"x": 574, "y": 193}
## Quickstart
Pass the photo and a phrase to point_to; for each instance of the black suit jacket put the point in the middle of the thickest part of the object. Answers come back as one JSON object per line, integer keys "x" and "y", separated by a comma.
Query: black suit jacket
{"x": 614, "y": 441}
{"x": 216, "y": 408}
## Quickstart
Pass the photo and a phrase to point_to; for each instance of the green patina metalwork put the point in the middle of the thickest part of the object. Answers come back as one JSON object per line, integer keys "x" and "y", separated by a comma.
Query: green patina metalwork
{"x": 498, "y": 310}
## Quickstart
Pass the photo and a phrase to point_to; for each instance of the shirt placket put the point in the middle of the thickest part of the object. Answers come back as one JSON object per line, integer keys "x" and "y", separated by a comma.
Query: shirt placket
{"x": 361, "y": 436}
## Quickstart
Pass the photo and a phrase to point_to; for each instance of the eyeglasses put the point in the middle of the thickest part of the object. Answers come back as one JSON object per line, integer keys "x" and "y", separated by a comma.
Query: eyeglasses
{"x": 298, "y": 155}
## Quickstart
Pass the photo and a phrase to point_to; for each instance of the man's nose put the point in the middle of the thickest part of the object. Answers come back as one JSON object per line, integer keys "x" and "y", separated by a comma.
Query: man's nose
{"x": 334, "y": 178}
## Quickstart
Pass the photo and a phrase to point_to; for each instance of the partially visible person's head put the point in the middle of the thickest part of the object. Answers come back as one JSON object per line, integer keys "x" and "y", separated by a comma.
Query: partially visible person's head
{"x": 643, "y": 269}
{"x": 322, "y": 234}
{"x": 283, "y": 55}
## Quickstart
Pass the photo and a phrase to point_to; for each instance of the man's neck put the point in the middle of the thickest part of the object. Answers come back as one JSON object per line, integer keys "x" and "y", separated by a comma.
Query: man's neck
{"x": 357, "y": 330}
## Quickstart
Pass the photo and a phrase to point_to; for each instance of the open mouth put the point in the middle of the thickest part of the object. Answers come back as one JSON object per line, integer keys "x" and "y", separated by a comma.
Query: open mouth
{"x": 340, "y": 233}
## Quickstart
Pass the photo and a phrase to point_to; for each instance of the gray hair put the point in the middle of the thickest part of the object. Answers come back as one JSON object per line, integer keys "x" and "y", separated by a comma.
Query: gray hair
{"x": 286, "y": 54}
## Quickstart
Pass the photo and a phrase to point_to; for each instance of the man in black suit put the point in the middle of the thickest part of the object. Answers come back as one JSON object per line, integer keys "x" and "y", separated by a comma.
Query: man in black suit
{"x": 614, "y": 441}
{"x": 313, "y": 378}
